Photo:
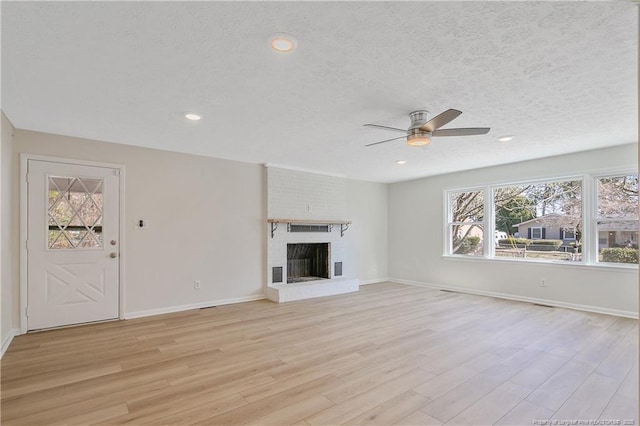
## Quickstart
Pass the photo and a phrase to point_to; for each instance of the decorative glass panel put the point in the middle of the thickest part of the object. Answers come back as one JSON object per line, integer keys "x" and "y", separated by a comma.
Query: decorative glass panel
{"x": 75, "y": 212}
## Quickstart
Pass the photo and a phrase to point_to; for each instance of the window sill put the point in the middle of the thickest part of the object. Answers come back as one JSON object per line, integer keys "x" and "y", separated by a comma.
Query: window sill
{"x": 560, "y": 264}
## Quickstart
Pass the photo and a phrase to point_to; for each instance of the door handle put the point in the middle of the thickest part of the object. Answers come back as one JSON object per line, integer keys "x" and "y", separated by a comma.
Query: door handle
{"x": 113, "y": 255}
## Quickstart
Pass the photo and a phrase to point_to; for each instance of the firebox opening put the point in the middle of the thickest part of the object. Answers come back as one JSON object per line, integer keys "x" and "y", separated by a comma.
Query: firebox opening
{"x": 307, "y": 262}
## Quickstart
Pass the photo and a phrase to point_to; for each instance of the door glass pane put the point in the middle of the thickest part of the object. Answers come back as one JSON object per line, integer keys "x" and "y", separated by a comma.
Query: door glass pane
{"x": 75, "y": 212}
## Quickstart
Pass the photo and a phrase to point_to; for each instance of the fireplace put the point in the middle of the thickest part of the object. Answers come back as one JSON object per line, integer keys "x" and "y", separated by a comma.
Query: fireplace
{"x": 307, "y": 262}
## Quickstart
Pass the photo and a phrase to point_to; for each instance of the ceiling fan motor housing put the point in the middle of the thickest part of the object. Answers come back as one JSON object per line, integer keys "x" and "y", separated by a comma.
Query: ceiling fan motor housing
{"x": 415, "y": 136}
{"x": 418, "y": 118}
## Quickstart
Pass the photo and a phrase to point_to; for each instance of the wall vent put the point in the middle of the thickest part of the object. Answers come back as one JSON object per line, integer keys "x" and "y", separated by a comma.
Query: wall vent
{"x": 276, "y": 274}
{"x": 308, "y": 228}
{"x": 337, "y": 269}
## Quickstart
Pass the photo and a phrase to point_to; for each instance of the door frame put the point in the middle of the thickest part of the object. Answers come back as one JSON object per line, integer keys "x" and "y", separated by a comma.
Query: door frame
{"x": 24, "y": 161}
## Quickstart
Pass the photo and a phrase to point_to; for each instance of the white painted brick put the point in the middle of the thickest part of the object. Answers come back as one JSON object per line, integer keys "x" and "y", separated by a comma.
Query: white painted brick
{"x": 289, "y": 193}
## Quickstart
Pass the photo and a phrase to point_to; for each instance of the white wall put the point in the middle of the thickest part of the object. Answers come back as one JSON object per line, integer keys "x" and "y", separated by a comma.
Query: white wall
{"x": 416, "y": 234}
{"x": 8, "y": 310}
{"x": 206, "y": 222}
{"x": 367, "y": 208}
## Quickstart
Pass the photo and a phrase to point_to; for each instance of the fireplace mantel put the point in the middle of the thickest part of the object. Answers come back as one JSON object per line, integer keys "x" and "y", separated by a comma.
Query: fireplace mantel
{"x": 344, "y": 224}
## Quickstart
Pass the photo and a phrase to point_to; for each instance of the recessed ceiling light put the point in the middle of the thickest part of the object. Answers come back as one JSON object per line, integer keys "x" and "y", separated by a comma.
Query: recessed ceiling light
{"x": 193, "y": 117}
{"x": 505, "y": 138}
{"x": 282, "y": 42}
{"x": 401, "y": 161}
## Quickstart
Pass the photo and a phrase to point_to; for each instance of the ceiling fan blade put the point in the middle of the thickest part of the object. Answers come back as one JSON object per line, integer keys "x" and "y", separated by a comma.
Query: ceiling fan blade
{"x": 461, "y": 132}
{"x": 440, "y": 120}
{"x": 377, "y": 126}
{"x": 388, "y": 140}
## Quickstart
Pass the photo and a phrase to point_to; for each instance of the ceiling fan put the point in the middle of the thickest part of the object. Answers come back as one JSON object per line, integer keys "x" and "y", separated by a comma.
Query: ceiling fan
{"x": 422, "y": 129}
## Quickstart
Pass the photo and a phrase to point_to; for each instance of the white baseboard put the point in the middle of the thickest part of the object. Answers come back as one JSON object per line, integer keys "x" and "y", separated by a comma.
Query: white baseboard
{"x": 374, "y": 281}
{"x": 587, "y": 308}
{"x": 180, "y": 308}
{"x": 8, "y": 339}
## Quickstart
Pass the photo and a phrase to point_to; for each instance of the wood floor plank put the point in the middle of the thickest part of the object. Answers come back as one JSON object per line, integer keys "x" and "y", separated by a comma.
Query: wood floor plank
{"x": 625, "y": 400}
{"x": 447, "y": 406}
{"x": 391, "y": 411}
{"x": 418, "y": 418}
{"x": 491, "y": 407}
{"x": 387, "y": 354}
{"x": 562, "y": 384}
{"x": 584, "y": 403}
{"x": 265, "y": 406}
{"x": 295, "y": 412}
{"x": 33, "y": 384}
{"x": 361, "y": 403}
{"x": 621, "y": 358}
{"x": 525, "y": 413}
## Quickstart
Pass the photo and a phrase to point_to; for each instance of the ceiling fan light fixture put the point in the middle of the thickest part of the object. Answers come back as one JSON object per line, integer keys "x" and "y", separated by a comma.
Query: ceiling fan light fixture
{"x": 418, "y": 139}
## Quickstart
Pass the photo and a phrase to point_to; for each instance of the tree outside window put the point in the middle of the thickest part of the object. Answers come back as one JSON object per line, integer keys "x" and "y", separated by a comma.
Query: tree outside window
{"x": 617, "y": 218}
{"x": 466, "y": 226}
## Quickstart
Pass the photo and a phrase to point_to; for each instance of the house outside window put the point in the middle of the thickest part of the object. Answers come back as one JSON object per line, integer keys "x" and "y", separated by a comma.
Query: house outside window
{"x": 536, "y": 233}
{"x": 535, "y": 215}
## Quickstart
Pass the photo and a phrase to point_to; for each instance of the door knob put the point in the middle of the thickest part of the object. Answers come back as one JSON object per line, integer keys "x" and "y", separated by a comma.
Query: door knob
{"x": 113, "y": 255}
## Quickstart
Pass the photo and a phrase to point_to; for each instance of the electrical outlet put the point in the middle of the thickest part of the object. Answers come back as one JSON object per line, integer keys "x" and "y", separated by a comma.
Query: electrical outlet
{"x": 196, "y": 285}
{"x": 543, "y": 282}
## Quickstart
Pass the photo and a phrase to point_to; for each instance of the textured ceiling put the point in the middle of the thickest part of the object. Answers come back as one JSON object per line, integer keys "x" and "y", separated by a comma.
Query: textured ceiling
{"x": 560, "y": 76}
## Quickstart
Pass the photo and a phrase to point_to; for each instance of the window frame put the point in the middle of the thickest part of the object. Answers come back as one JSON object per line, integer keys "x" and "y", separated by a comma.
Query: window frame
{"x": 589, "y": 207}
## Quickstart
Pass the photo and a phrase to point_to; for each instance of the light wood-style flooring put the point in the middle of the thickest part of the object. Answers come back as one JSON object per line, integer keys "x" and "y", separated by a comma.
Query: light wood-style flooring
{"x": 389, "y": 354}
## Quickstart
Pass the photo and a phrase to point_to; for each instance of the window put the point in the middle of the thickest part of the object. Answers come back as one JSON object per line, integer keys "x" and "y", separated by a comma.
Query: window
{"x": 545, "y": 221}
{"x": 617, "y": 218}
{"x": 536, "y": 233}
{"x": 465, "y": 224}
{"x": 538, "y": 213}
{"x": 568, "y": 233}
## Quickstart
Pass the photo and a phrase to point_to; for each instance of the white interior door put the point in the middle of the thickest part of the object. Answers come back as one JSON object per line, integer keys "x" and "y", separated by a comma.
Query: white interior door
{"x": 72, "y": 244}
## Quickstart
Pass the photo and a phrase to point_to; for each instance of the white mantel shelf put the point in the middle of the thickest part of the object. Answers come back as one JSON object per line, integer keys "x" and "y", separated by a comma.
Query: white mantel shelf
{"x": 344, "y": 224}
{"x": 311, "y": 222}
